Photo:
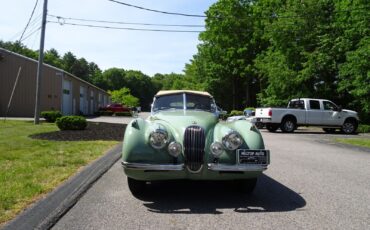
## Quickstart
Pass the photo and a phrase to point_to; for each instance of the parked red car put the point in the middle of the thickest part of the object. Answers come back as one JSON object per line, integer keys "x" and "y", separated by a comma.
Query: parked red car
{"x": 116, "y": 108}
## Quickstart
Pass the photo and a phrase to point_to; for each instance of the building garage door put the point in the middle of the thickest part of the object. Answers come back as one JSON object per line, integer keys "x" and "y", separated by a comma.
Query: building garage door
{"x": 67, "y": 97}
{"x": 83, "y": 100}
{"x": 92, "y": 107}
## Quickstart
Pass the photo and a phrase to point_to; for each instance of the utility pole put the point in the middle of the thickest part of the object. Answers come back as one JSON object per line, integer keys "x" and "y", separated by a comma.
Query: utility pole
{"x": 40, "y": 64}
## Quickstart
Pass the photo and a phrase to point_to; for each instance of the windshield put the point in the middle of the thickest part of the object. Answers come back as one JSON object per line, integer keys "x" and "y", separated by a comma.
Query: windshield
{"x": 176, "y": 101}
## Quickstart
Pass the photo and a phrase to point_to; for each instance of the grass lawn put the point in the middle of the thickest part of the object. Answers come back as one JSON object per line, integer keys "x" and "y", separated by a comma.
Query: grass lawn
{"x": 30, "y": 168}
{"x": 363, "y": 142}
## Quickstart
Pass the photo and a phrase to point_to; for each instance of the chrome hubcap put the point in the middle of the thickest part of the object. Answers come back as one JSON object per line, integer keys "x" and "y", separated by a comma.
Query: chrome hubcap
{"x": 289, "y": 126}
{"x": 348, "y": 127}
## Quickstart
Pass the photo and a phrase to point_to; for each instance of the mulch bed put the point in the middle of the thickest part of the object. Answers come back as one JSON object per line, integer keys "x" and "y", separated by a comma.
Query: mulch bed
{"x": 94, "y": 131}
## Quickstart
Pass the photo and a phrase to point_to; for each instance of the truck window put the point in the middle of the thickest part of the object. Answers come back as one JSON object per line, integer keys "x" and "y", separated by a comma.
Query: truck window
{"x": 297, "y": 104}
{"x": 314, "y": 104}
{"x": 329, "y": 105}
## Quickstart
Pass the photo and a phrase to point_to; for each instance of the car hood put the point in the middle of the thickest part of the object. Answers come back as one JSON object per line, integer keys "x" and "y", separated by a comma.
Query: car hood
{"x": 180, "y": 119}
{"x": 348, "y": 111}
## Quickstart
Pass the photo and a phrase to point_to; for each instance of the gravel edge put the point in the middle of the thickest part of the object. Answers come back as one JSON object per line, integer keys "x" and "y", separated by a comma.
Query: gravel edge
{"x": 45, "y": 213}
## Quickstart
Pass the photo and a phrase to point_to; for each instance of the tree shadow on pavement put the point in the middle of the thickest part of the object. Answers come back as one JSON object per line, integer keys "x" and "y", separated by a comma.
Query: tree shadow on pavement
{"x": 200, "y": 197}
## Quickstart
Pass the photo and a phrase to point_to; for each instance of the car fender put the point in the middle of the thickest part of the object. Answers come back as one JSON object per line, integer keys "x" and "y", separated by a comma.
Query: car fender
{"x": 252, "y": 138}
{"x": 136, "y": 146}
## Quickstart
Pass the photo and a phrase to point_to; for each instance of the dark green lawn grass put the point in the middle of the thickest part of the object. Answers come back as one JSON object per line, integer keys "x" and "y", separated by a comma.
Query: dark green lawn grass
{"x": 362, "y": 142}
{"x": 30, "y": 168}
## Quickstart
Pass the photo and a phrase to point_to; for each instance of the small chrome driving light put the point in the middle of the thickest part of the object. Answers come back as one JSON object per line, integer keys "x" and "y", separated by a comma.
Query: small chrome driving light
{"x": 174, "y": 149}
{"x": 216, "y": 149}
{"x": 232, "y": 140}
{"x": 158, "y": 139}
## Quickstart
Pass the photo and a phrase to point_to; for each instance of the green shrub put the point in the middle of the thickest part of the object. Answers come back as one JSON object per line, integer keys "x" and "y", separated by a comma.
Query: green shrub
{"x": 235, "y": 113}
{"x": 250, "y": 108}
{"x": 363, "y": 129}
{"x": 123, "y": 114}
{"x": 71, "y": 123}
{"x": 51, "y": 116}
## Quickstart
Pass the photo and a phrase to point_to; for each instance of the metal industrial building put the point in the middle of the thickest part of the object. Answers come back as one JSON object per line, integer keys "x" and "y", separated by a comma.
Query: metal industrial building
{"x": 59, "y": 90}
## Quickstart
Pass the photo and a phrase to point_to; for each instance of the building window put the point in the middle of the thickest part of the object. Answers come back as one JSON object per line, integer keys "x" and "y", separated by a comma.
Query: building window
{"x": 66, "y": 91}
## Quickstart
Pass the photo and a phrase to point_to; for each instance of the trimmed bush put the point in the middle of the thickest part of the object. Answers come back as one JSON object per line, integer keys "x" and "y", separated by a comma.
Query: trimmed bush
{"x": 51, "y": 116}
{"x": 235, "y": 113}
{"x": 363, "y": 129}
{"x": 123, "y": 114}
{"x": 71, "y": 123}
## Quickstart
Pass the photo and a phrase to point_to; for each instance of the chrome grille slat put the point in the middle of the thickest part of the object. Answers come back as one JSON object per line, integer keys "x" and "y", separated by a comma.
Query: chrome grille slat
{"x": 194, "y": 143}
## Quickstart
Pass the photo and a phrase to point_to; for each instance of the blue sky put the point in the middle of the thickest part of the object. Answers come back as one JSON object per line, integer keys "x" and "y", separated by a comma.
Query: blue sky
{"x": 150, "y": 52}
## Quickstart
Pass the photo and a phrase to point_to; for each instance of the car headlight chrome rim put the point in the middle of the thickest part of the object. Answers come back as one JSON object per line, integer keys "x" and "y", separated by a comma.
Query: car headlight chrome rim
{"x": 174, "y": 149}
{"x": 216, "y": 149}
{"x": 158, "y": 139}
{"x": 232, "y": 140}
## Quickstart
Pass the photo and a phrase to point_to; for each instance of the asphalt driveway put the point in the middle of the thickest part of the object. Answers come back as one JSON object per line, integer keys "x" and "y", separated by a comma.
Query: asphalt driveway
{"x": 311, "y": 184}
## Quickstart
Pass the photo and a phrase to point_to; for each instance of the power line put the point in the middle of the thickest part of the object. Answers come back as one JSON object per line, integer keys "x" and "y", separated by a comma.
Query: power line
{"x": 125, "y": 28}
{"x": 272, "y": 16}
{"x": 31, "y": 26}
{"x": 124, "y": 23}
{"x": 29, "y": 20}
{"x": 30, "y": 34}
{"x": 159, "y": 11}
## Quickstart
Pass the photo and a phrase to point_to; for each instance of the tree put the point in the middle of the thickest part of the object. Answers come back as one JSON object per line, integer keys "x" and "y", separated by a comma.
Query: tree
{"x": 123, "y": 96}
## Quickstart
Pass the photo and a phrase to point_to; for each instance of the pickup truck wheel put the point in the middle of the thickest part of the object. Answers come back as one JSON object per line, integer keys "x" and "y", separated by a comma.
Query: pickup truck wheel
{"x": 349, "y": 127}
{"x": 247, "y": 185}
{"x": 288, "y": 125}
{"x": 329, "y": 130}
{"x": 272, "y": 127}
{"x": 136, "y": 187}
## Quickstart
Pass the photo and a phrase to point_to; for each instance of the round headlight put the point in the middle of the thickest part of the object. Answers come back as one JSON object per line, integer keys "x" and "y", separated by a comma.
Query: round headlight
{"x": 216, "y": 149}
{"x": 158, "y": 139}
{"x": 232, "y": 140}
{"x": 174, "y": 149}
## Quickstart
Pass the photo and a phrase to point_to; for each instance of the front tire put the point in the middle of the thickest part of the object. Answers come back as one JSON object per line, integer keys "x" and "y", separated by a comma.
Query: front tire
{"x": 247, "y": 185}
{"x": 288, "y": 125}
{"x": 349, "y": 126}
{"x": 136, "y": 187}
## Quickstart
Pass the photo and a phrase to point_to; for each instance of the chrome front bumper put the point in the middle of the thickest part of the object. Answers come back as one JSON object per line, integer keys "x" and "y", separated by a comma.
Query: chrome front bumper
{"x": 154, "y": 167}
{"x": 181, "y": 167}
{"x": 236, "y": 168}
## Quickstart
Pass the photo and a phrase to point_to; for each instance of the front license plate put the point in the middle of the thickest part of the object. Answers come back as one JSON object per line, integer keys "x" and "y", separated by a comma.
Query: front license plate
{"x": 256, "y": 157}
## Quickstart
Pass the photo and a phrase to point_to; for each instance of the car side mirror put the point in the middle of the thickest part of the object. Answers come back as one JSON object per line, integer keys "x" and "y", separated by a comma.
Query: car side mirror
{"x": 340, "y": 108}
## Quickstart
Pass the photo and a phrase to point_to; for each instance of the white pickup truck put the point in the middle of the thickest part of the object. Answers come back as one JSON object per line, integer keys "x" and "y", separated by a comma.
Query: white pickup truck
{"x": 308, "y": 112}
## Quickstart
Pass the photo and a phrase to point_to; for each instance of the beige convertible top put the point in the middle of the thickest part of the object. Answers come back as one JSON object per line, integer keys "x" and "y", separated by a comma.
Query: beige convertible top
{"x": 167, "y": 92}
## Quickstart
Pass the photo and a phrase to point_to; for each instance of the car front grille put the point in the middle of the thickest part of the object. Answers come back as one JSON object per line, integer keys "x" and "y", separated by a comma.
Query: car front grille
{"x": 194, "y": 143}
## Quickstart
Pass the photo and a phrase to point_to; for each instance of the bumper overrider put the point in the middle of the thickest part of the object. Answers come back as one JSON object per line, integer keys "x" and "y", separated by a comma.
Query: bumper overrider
{"x": 211, "y": 166}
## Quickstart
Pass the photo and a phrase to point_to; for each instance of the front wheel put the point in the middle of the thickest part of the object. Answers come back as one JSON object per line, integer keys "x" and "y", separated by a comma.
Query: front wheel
{"x": 247, "y": 185}
{"x": 349, "y": 127}
{"x": 136, "y": 187}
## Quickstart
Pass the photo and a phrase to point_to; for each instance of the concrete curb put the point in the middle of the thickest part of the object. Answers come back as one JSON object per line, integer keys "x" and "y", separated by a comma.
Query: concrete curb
{"x": 45, "y": 213}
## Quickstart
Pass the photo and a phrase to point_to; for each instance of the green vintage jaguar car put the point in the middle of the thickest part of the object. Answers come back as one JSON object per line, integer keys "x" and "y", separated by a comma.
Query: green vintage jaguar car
{"x": 183, "y": 138}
